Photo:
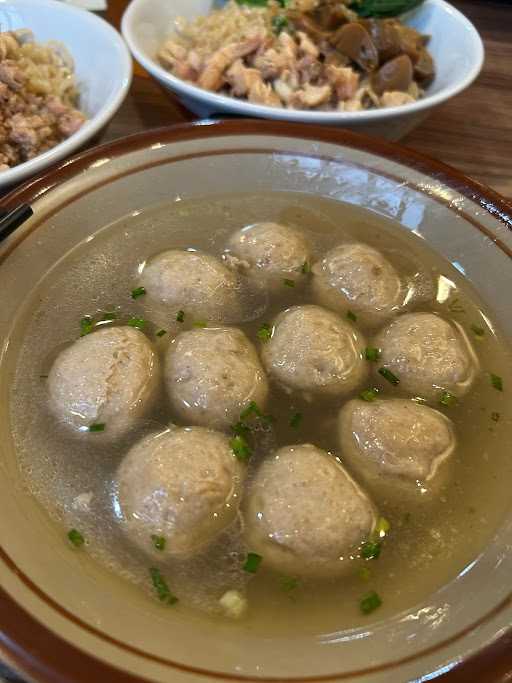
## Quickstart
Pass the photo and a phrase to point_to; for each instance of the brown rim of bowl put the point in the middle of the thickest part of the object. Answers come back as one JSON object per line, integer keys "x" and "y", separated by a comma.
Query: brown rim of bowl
{"x": 22, "y": 634}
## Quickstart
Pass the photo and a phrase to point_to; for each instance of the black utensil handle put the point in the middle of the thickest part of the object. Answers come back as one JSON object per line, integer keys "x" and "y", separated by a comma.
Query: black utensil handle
{"x": 10, "y": 220}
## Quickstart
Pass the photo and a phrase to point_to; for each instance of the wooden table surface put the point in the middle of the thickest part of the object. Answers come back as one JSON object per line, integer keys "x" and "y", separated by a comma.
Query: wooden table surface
{"x": 472, "y": 132}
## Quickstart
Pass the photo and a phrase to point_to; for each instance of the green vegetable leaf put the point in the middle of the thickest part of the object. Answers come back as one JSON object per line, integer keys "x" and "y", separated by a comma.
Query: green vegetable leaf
{"x": 265, "y": 332}
{"x": 448, "y": 399}
{"x": 384, "y": 8}
{"x": 137, "y": 292}
{"x": 161, "y": 333}
{"x": 387, "y": 374}
{"x": 371, "y": 550}
{"x": 180, "y": 316}
{"x": 96, "y": 427}
{"x": 86, "y": 325}
{"x": 372, "y": 353}
{"x": 138, "y": 323}
{"x": 279, "y": 23}
{"x": 158, "y": 542}
{"x": 369, "y": 395}
{"x": 240, "y": 447}
{"x": 497, "y": 382}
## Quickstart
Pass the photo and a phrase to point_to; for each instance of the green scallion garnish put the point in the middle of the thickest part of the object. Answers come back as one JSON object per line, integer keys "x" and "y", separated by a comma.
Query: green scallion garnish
{"x": 138, "y": 323}
{"x": 352, "y": 316}
{"x": 96, "y": 427}
{"x": 76, "y": 538}
{"x": 370, "y": 550}
{"x": 495, "y": 417}
{"x": 265, "y": 332}
{"x": 137, "y": 292}
{"x": 296, "y": 420}
{"x": 289, "y": 583}
{"x": 180, "y": 316}
{"x": 448, "y": 399}
{"x": 240, "y": 447}
{"x": 252, "y": 563}
{"x": 200, "y": 323}
{"x": 478, "y": 331}
{"x": 158, "y": 542}
{"x": 306, "y": 268}
{"x": 371, "y": 353}
{"x": 387, "y": 374}
{"x": 162, "y": 589}
{"x": 241, "y": 429}
{"x": 370, "y": 602}
{"x": 288, "y": 283}
{"x": 369, "y": 395}
{"x": 161, "y": 333}
{"x": 496, "y": 381}
{"x": 86, "y": 325}
{"x": 383, "y": 527}
{"x": 279, "y": 23}
{"x": 252, "y": 409}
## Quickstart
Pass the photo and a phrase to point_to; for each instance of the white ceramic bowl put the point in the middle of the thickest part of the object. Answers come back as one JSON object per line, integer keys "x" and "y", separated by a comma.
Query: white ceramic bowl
{"x": 103, "y": 69}
{"x": 455, "y": 45}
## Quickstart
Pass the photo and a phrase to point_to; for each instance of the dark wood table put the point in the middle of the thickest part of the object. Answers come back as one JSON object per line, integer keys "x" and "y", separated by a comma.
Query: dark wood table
{"x": 472, "y": 132}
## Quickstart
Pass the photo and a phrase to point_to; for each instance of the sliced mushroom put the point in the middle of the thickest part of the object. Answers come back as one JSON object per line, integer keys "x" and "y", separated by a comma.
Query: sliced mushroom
{"x": 424, "y": 68}
{"x": 393, "y": 75}
{"x": 385, "y": 37}
{"x": 354, "y": 41}
{"x": 410, "y": 41}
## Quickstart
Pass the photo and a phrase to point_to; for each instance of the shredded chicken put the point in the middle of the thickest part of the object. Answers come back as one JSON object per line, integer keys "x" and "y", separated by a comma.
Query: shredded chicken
{"x": 37, "y": 98}
{"x": 307, "y": 54}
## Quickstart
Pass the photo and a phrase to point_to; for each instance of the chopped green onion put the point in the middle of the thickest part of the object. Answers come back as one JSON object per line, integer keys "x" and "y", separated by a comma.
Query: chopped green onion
{"x": 240, "y": 447}
{"x": 138, "y": 323}
{"x": 497, "y": 382}
{"x": 289, "y": 583}
{"x": 369, "y": 395}
{"x": 162, "y": 589}
{"x": 76, "y": 538}
{"x": 383, "y": 527}
{"x": 448, "y": 399}
{"x": 279, "y": 23}
{"x": 370, "y": 602}
{"x": 495, "y": 417}
{"x": 96, "y": 427}
{"x": 200, "y": 323}
{"x": 158, "y": 542}
{"x": 86, "y": 325}
{"x": 372, "y": 353}
{"x": 370, "y": 550}
{"x": 161, "y": 333}
{"x": 252, "y": 563}
{"x": 108, "y": 316}
{"x": 289, "y": 283}
{"x": 352, "y": 316}
{"x": 296, "y": 420}
{"x": 241, "y": 429}
{"x": 252, "y": 409}
{"x": 180, "y": 316}
{"x": 365, "y": 573}
{"x": 477, "y": 331}
{"x": 265, "y": 332}
{"x": 137, "y": 292}
{"x": 387, "y": 374}
{"x": 306, "y": 268}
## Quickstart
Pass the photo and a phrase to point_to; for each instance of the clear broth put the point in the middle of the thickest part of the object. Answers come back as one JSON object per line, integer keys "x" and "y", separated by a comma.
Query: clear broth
{"x": 72, "y": 476}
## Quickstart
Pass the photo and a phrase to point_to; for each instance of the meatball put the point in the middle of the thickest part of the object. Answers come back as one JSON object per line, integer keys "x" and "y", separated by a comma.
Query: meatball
{"x": 183, "y": 485}
{"x": 212, "y": 375}
{"x": 397, "y": 447}
{"x": 358, "y": 278}
{"x": 271, "y": 253}
{"x": 305, "y": 515}
{"x": 428, "y": 355}
{"x": 192, "y": 281}
{"x": 109, "y": 377}
{"x": 314, "y": 351}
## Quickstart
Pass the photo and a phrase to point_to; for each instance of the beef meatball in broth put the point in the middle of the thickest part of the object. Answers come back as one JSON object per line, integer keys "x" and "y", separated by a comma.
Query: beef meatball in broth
{"x": 108, "y": 377}
{"x": 192, "y": 281}
{"x": 358, "y": 278}
{"x": 212, "y": 375}
{"x": 314, "y": 351}
{"x": 270, "y": 253}
{"x": 305, "y": 515}
{"x": 397, "y": 447}
{"x": 183, "y": 485}
{"x": 428, "y": 355}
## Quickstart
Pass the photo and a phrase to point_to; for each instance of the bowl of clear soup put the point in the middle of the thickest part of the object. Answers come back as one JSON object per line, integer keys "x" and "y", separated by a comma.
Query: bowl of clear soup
{"x": 254, "y": 412}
